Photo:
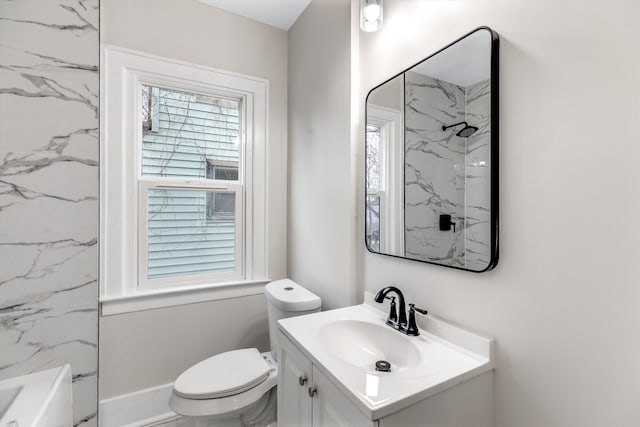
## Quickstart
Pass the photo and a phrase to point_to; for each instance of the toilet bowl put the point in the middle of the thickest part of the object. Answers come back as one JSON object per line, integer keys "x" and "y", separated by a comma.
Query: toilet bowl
{"x": 238, "y": 388}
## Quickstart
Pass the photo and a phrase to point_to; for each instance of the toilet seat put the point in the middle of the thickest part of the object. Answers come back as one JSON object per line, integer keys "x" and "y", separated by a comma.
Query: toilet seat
{"x": 231, "y": 404}
{"x": 225, "y": 374}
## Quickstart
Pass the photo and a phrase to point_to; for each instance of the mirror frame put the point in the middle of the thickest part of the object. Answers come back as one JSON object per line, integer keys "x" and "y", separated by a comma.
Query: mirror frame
{"x": 494, "y": 73}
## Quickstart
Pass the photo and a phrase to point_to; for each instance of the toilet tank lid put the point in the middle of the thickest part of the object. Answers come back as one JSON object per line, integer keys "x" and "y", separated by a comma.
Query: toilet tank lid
{"x": 287, "y": 295}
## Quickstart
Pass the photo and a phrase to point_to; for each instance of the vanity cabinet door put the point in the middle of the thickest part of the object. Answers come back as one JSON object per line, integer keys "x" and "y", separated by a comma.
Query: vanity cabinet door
{"x": 331, "y": 408}
{"x": 295, "y": 379}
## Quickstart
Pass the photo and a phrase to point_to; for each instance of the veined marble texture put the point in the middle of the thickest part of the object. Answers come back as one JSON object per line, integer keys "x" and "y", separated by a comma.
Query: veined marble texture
{"x": 49, "y": 80}
{"x": 446, "y": 174}
{"x": 477, "y": 232}
{"x": 434, "y": 169}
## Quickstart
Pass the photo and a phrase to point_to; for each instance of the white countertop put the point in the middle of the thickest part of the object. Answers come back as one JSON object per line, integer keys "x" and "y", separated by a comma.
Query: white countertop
{"x": 446, "y": 354}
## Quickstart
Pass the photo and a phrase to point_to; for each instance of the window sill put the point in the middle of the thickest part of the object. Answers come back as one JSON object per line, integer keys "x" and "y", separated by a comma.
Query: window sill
{"x": 160, "y": 298}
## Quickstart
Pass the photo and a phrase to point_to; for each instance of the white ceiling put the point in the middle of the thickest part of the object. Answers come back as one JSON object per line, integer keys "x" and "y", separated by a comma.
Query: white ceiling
{"x": 277, "y": 13}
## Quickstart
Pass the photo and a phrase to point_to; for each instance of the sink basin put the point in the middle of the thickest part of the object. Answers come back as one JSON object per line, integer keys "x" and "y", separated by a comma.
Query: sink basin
{"x": 362, "y": 344}
{"x": 345, "y": 344}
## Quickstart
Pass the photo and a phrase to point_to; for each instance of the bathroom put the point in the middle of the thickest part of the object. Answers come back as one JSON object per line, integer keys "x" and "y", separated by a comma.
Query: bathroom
{"x": 561, "y": 304}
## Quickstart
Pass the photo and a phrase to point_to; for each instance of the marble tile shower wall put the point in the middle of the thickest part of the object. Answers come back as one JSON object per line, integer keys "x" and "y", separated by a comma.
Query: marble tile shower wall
{"x": 434, "y": 169}
{"x": 447, "y": 174}
{"x": 49, "y": 58}
{"x": 477, "y": 230}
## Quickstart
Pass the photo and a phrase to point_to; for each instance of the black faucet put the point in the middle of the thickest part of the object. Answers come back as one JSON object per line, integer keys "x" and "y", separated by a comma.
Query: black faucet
{"x": 402, "y": 314}
{"x": 399, "y": 321}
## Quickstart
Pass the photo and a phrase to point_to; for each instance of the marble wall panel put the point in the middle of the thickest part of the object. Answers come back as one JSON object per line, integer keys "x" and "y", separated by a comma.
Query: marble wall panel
{"x": 434, "y": 169}
{"x": 447, "y": 174}
{"x": 477, "y": 233}
{"x": 49, "y": 80}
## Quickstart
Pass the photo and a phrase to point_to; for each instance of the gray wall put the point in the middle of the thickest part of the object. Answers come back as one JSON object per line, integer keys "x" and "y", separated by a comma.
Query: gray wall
{"x": 563, "y": 302}
{"x": 190, "y": 31}
{"x": 146, "y": 348}
{"x": 322, "y": 207}
{"x": 174, "y": 338}
{"x": 49, "y": 192}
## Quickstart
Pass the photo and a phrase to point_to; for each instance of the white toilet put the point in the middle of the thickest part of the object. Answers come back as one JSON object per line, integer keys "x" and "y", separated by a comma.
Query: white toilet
{"x": 237, "y": 388}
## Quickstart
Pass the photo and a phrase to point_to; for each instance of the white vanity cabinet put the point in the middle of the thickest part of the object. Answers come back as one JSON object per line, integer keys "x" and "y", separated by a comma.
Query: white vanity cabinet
{"x": 327, "y": 375}
{"x": 331, "y": 408}
{"x": 295, "y": 376}
{"x": 306, "y": 397}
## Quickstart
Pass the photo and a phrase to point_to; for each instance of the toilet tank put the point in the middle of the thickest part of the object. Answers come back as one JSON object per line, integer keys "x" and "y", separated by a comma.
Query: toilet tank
{"x": 285, "y": 298}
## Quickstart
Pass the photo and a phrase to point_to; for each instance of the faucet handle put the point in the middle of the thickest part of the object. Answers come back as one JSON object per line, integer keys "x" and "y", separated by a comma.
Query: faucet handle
{"x": 412, "y": 327}
{"x": 419, "y": 310}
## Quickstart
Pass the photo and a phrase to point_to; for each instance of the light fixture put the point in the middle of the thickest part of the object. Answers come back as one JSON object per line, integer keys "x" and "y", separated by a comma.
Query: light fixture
{"x": 370, "y": 15}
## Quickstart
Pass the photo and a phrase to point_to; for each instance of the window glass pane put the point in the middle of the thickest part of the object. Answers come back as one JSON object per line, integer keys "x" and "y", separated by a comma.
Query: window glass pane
{"x": 221, "y": 206}
{"x": 372, "y": 222}
{"x": 183, "y": 132}
{"x": 147, "y": 109}
{"x": 227, "y": 171}
{"x": 373, "y": 157}
{"x": 181, "y": 238}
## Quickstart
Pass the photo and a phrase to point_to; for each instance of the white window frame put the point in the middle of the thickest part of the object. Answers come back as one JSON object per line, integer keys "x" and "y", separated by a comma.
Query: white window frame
{"x": 123, "y": 220}
{"x": 391, "y": 123}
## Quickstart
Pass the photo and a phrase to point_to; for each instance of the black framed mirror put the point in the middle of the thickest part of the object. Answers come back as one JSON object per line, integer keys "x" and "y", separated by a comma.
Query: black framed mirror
{"x": 431, "y": 151}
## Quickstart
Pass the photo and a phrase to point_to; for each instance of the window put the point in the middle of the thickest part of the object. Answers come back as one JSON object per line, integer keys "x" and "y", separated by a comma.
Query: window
{"x": 384, "y": 157}
{"x": 192, "y": 205}
{"x": 375, "y": 192}
{"x": 180, "y": 208}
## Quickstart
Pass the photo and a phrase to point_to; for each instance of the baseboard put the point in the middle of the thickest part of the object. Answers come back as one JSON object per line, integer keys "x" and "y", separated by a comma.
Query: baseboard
{"x": 137, "y": 409}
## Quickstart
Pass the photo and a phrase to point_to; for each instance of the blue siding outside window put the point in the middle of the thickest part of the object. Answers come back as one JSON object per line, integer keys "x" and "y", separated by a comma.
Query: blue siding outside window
{"x": 183, "y": 135}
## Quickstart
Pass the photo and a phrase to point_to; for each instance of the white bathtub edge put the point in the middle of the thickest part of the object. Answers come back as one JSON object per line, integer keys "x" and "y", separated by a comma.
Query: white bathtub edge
{"x": 44, "y": 397}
